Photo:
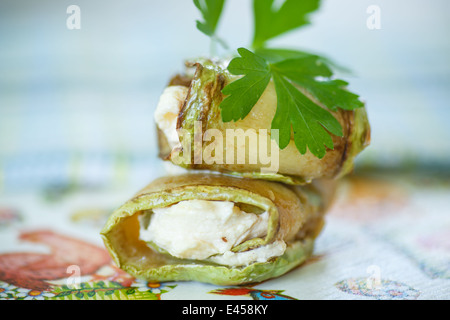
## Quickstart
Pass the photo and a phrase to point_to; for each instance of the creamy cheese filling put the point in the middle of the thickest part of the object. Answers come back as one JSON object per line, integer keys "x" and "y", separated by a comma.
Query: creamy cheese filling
{"x": 166, "y": 113}
{"x": 202, "y": 229}
{"x": 260, "y": 254}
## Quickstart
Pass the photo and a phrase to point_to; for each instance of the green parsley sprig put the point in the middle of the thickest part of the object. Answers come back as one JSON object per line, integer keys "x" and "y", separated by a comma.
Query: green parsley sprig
{"x": 271, "y": 22}
{"x": 303, "y": 81}
{"x": 211, "y": 11}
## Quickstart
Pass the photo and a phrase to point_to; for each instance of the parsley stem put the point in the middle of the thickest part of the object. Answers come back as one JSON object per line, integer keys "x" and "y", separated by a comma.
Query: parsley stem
{"x": 212, "y": 47}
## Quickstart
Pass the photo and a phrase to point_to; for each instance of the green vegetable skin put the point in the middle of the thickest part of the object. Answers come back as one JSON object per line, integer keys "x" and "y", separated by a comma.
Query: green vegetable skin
{"x": 203, "y": 104}
{"x": 296, "y": 216}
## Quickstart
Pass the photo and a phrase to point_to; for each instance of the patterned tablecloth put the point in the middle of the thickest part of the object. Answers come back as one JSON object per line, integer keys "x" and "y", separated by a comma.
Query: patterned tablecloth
{"x": 386, "y": 237}
{"x": 77, "y": 139}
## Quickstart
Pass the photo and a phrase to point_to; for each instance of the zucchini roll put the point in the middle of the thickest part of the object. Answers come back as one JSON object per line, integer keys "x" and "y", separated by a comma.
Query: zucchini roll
{"x": 189, "y": 106}
{"x": 216, "y": 228}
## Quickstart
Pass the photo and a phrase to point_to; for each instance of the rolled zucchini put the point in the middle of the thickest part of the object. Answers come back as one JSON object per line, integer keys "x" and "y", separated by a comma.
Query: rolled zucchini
{"x": 190, "y": 129}
{"x": 216, "y": 228}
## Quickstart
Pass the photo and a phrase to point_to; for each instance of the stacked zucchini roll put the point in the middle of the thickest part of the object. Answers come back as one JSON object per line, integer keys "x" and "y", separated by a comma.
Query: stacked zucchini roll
{"x": 227, "y": 220}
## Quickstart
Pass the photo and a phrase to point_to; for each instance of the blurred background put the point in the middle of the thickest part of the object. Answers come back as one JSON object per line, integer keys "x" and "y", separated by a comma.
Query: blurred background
{"x": 76, "y": 106}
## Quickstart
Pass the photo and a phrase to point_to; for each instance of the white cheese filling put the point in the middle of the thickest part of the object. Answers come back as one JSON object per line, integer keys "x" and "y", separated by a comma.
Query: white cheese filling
{"x": 166, "y": 113}
{"x": 260, "y": 254}
{"x": 202, "y": 229}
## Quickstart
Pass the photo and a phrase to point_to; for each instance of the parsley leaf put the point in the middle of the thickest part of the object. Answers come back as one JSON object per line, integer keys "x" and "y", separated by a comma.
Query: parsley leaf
{"x": 311, "y": 124}
{"x": 308, "y": 120}
{"x": 277, "y": 54}
{"x": 331, "y": 93}
{"x": 246, "y": 91}
{"x": 211, "y": 11}
{"x": 271, "y": 22}
{"x": 308, "y": 66}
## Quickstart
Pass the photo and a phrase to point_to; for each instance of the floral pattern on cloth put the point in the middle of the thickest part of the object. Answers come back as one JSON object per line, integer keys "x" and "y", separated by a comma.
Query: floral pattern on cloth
{"x": 384, "y": 290}
{"x": 90, "y": 290}
{"x": 255, "y": 294}
{"x": 29, "y": 275}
